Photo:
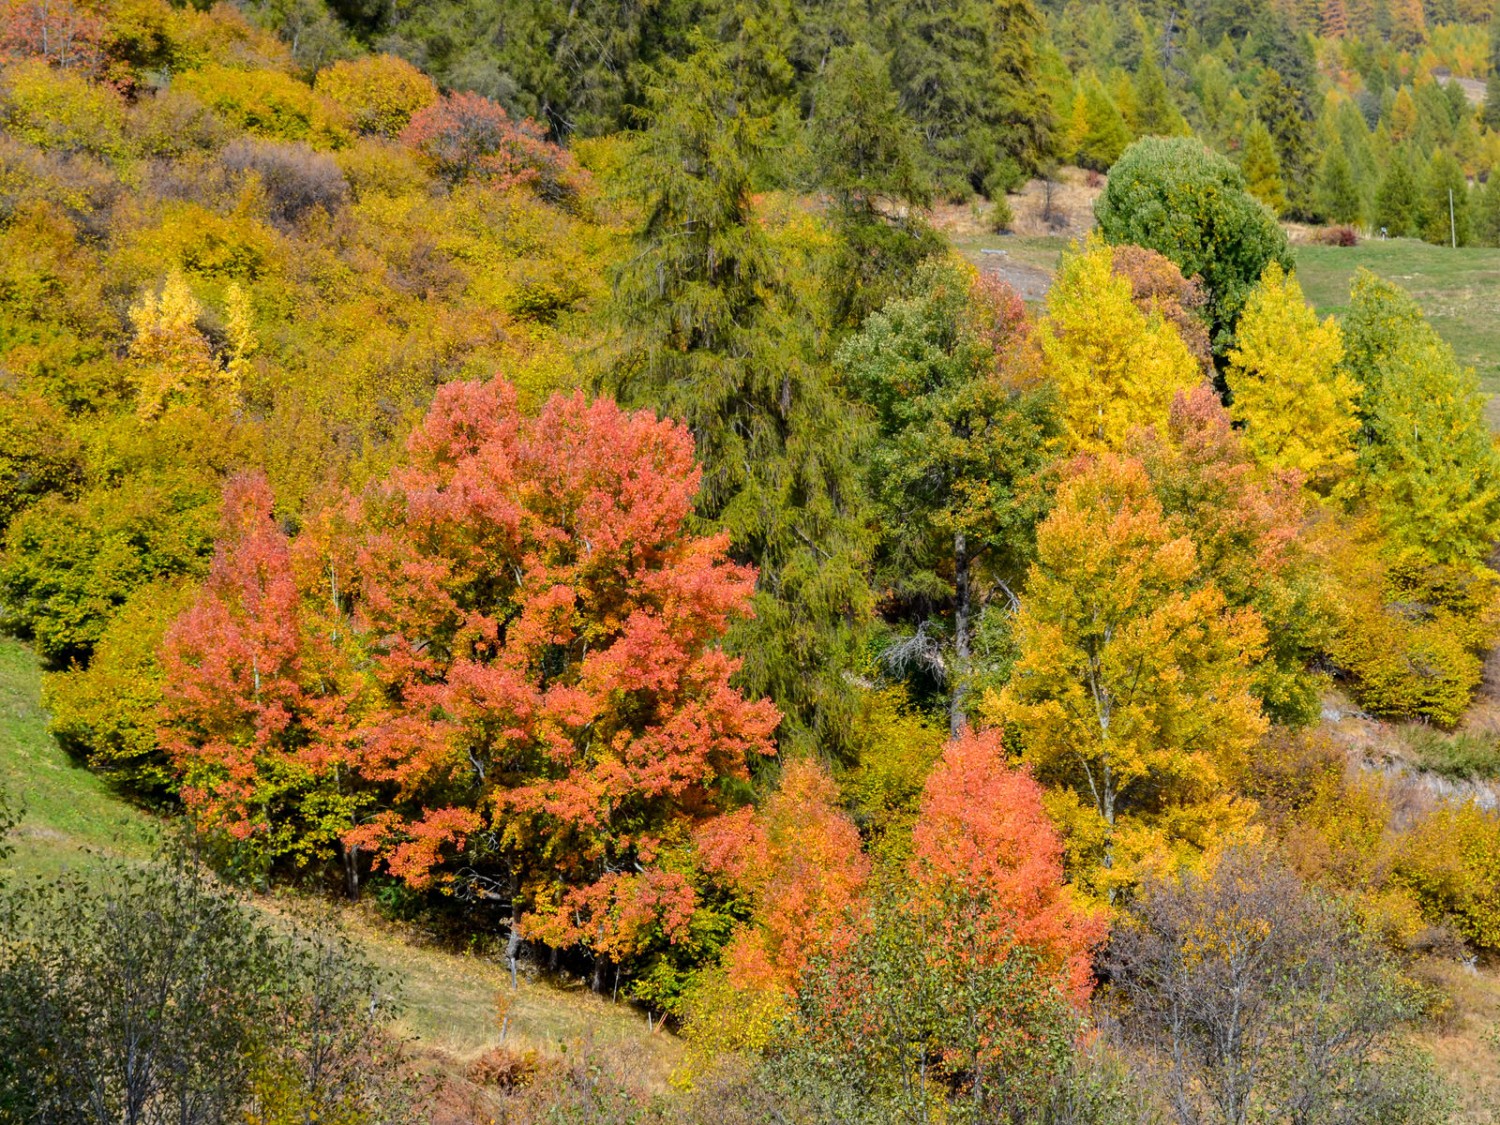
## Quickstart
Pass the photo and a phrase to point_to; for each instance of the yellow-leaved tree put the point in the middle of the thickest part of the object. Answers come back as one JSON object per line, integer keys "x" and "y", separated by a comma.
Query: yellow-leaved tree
{"x": 1132, "y": 694}
{"x": 1290, "y": 391}
{"x": 1115, "y": 366}
{"x": 173, "y": 358}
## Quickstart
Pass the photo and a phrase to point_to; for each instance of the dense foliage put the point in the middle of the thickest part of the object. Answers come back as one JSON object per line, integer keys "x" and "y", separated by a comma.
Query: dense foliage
{"x": 542, "y": 462}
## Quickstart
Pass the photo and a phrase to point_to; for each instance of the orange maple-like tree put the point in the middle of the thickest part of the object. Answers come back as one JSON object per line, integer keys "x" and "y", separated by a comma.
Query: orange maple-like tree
{"x": 799, "y": 863}
{"x": 983, "y": 844}
{"x": 537, "y": 693}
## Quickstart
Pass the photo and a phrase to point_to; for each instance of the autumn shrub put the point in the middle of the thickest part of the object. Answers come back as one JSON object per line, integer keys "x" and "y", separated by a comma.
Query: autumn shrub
{"x": 295, "y": 179}
{"x": 1450, "y": 860}
{"x": 106, "y": 712}
{"x": 1411, "y": 634}
{"x": 374, "y": 168}
{"x": 268, "y": 104}
{"x": 59, "y": 111}
{"x": 1462, "y": 756}
{"x": 1342, "y": 235}
{"x": 171, "y": 123}
{"x": 466, "y": 136}
{"x": 1254, "y": 996}
{"x": 153, "y": 993}
{"x": 380, "y": 93}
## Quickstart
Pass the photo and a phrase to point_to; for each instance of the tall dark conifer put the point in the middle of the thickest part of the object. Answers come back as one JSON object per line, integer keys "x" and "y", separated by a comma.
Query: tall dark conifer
{"x": 709, "y": 333}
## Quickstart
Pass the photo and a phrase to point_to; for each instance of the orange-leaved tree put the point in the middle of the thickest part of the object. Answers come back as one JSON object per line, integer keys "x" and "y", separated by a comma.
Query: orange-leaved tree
{"x": 259, "y": 706}
{"x": 544, "y": 630}
{"x": 799, "y": 864}
{"x": 983, "y": 843}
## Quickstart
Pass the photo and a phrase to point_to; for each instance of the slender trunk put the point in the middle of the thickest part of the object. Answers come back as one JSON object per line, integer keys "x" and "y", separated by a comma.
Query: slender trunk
{"x": 351, "y": 870}
{"x": 513, "y": 944}
{"x": 963, "y": 597}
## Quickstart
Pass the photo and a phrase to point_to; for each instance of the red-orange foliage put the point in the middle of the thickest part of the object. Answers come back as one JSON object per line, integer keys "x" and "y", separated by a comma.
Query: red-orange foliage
{"x": 254, "y": 717}
{"x": 545, "y": 634}
{"x": 1157, "y": 285}
{"x": 799, "y": 863}
{"x": 56, "y": 30}
{"x": 539, "y": 683}
{"x": 983, "y": 840}
{"x": 466, "y": 136}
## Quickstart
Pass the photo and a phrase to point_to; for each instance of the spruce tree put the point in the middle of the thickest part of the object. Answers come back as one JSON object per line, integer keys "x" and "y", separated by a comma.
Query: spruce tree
{"x": 1281, "y": 109}
{"x": 967, "y": 72}
{"x": 869, "y": 161}
{"x": 1262, "y": 168}
{"x": 1337, "y": 195}
{"x": 1445, "y": 203}
{"x": 710, "y": 333}
{"x": 1398, "y": 199}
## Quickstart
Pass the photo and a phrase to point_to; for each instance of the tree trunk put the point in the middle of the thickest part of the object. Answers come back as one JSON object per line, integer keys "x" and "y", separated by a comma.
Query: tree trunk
{"x": 513, "y": 944}
{"x": 963, "y": 599}
{"x": 351, "y": 870}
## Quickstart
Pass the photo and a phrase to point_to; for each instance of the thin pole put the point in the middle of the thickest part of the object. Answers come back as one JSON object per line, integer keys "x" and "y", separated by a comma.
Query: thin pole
{"x": 1452, "y": 228}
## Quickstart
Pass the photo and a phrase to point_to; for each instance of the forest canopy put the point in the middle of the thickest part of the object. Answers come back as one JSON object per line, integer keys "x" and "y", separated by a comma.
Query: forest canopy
{"x": 547, "y": 469}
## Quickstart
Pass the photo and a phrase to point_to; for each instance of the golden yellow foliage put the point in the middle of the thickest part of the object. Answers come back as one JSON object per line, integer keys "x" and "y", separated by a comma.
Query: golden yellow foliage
{"x": 1133, "y": 684}
{"x": 1115, "y": 367}
{"x": 1289, "y": 389}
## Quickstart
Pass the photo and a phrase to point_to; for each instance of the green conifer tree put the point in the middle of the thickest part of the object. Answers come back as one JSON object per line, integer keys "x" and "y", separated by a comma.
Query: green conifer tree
{"x": 868, "y": 159}
{"x": 1156, "y": 114}
{"x": 1487, "y": 212}
{"x": 967, "y": 72}
{"x": 1445, "y": 203}
{"x": 1337, "y": 195}
{"x": 1398, "y": 199}
{"x": 1262, "y": 167}
{"x": 710, "y": 333}
{"x": 1427, "y": 457}
{"x": 1106, "y": 135}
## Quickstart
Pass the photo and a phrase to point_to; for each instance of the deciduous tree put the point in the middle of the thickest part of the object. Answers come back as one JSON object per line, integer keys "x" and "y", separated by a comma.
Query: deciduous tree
{"x": 1132, "y": 690}
{"x": 1115, "y": 366}
{"x": 1288, "y": 387}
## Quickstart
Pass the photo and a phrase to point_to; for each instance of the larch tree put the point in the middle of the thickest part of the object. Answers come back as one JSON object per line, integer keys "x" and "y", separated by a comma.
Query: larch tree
{"x": 1247, "y": 524}
{"x": 1103, "y": 134}
{"x": 1426, "y": 456}
{"x": 1115, "y": 366}
{"x": 1288, "y": 386}
{"x": 709, "y": 333}
{"x": 966, "y": 433}
{"x": 1132, "y": 692}
{"x": 1262, "y": 167}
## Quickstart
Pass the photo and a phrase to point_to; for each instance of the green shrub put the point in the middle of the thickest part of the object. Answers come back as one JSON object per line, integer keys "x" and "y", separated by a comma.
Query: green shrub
{"x": 1174, "y": 196}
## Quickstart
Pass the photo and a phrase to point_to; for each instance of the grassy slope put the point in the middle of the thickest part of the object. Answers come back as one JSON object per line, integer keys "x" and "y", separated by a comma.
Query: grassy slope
{"x": 73, "y": 821}
{"x": 1459, "y": 290}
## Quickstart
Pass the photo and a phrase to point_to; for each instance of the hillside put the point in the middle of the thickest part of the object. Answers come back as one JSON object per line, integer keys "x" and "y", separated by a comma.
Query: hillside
{"x": 75, "y": 823}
